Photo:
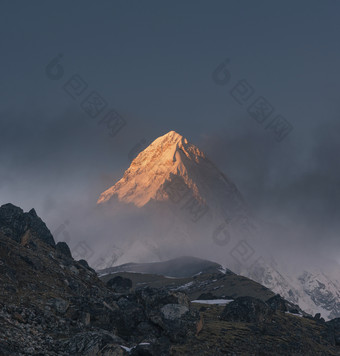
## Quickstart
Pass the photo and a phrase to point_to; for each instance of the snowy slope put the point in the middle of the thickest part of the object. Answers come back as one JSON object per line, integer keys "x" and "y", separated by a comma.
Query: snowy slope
{"x": 323, "y": 291}
{"x": 314, "y": 292}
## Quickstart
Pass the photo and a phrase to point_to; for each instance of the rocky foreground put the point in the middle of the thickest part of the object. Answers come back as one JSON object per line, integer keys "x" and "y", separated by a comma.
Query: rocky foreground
{"x": 51, "y": 304}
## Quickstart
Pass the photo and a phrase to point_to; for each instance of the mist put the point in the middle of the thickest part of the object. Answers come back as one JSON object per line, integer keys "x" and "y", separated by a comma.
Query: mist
{"x": 60, "y": 165}
{"x": 57, "y": 159}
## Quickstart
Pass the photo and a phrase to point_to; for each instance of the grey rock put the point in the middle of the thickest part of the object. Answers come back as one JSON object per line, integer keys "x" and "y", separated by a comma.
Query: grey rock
{"x": 173, "y": 311}
{"x": 63, "y": 249}
{"x": 14, "y": 223}
{"x": 119, "y": 284}
{"x": 277, "y": 303}
{"x": 86, "y": 265}
{"x": 90, "y": 343}
{"x": 246, "y": 309}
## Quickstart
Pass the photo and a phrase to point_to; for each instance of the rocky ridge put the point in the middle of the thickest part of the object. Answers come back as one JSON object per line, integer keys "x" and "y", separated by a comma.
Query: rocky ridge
{"x": 51, "y": 304}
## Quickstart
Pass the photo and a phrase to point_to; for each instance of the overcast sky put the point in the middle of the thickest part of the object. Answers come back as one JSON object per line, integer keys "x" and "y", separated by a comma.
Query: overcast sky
{"x": 172, "y": 66}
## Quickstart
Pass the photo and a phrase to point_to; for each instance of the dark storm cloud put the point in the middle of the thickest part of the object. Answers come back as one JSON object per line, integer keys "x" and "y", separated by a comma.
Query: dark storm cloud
{"x": 47, "y": 161}
{"x": 38, "y": 140}
{"x": 297, "y": 180}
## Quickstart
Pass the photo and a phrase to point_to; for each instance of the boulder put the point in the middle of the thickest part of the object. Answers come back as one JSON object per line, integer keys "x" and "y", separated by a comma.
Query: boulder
{"x": 119, "y": 284}
{"x": 247, "y": 310}
{"x": 170, "y": 311}
{"x": 173, "y": 311}
{"x": 207, "y": 296}
{"x": 58, "y": 304}
{"x": 92, "y": 343}
{"x": 277, "y": 303}
{"x": 63, "y": 249}
{"x": 86, "y": 265}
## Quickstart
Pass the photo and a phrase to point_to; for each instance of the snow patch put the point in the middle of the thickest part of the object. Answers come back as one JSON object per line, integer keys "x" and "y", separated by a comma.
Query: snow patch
{"x": 184, "y": 286}
{"x": 129, "y": 349}
{"x": 300, "y": 315}
{"x": 213, "y": 301}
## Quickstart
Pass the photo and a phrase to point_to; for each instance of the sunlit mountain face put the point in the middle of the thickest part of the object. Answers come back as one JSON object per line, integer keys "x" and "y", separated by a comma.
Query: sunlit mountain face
{"x": 171, "y": 165}
{"x": 181, "y": 199}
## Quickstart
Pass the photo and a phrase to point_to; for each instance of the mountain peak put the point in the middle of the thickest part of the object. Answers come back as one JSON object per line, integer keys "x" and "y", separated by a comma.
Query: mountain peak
{"x": 169, "y": 159}
{"x": 170, "y": 142}
{"x": 172, "y": 135}
{"x": 168, "y": 155}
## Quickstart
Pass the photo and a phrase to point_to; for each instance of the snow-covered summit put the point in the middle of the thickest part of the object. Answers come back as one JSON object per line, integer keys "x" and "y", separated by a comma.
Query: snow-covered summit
{"x": 170, "y": 157}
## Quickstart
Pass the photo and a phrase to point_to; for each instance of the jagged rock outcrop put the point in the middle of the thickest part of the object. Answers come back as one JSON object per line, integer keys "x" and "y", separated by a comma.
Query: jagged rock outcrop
{"x": 16, "y": 224}
{"x": 63, "y": 248}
